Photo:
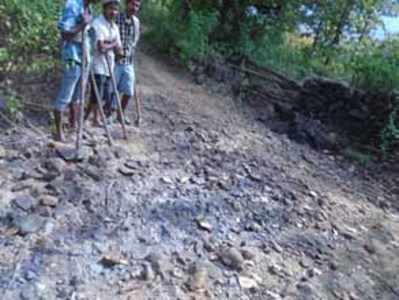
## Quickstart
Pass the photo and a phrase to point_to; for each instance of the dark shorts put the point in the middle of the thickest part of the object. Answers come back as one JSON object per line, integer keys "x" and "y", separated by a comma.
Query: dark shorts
{"x": 103, "y": 86}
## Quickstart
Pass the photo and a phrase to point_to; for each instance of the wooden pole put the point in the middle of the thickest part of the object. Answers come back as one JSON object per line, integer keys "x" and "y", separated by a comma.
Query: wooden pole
{"x": 100, "y": 108}
{"x": 83, "y": 83}
{"x": 118, "y": 100}
{"x": 138, "y": 107}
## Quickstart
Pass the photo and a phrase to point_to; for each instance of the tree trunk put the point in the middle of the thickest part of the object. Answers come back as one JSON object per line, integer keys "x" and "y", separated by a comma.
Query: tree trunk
{"x": 317, "y": 36}
{"x": 340, "y": 27}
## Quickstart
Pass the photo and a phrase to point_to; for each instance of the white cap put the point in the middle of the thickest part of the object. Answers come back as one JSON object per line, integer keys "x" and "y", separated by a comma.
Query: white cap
{"x": 105, "y": 2}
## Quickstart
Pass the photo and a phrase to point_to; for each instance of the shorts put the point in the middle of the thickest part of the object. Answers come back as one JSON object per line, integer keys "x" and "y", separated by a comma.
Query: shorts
{"x": 125, "y": 79}
{"x": 69, "y": 90}
{"x": 103, "y": 86}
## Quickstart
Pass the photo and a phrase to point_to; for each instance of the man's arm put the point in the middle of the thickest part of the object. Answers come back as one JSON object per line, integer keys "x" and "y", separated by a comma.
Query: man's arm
{"x": 136, "y": 31}
{"x": 114, "y": 45}
{"x": 68, "y": 26}
{"x": 118, "y": 47}
{"x": 105, "y": 46}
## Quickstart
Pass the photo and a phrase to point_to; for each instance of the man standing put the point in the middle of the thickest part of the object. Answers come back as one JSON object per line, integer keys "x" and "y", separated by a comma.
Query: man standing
{"x": 73, "y": 22}
{"x": 129, "y": 28}
{"x": 107, "y": 42}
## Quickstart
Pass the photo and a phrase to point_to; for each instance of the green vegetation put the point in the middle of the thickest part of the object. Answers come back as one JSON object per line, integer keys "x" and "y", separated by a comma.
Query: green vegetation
{"x": 361, "y": 158}
{"x": 31, "y": 35}
{"x": 296, "y": 38}
{"x": 376, "y": 67}
{"x": 13, "y": 104}
{"x": 390, "y": 134}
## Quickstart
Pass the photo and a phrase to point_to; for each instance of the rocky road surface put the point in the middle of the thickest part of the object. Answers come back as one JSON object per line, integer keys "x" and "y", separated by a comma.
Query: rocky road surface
{"x": 202, "y": 202}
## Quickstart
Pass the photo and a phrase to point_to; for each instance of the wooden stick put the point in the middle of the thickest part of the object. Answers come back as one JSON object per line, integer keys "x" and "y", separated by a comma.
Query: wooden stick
{"x": 35, "y": 129}
{"x": 118, "y": 100}
{"x": 83, "y": 83}
{"x": 17, "y": 265}
{"x": 268, "y": 70}
{"x": 8, "y": 120}
{"x": 36, "y": 106}
{"x": 138, "y": 106}
{"x": 13, "y": 124}
{"x": 100, "y": 108}
{"x": 258, "y": 74}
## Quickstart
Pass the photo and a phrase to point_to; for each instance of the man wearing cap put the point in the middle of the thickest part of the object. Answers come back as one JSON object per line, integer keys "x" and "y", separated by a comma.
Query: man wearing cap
{"x": 129, "y": 29}
{"x": 107, "y": 42}
{"x": 73, "y": 21}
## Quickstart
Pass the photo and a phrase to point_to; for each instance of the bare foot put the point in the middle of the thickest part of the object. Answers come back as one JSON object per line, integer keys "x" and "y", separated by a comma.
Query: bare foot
{"x": 60, "y": 137}
{"x": 137, "y": 122}
{"x": 95, "y": 123}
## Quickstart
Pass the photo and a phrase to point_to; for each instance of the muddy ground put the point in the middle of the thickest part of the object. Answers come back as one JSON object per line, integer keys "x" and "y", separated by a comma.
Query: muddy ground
{"x": 202, "y": 202}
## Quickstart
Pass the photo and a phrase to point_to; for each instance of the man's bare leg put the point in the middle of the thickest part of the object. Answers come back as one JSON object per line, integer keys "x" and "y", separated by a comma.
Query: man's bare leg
{"x": 125, "y": 102}
{"x": 59, "y": 130}
{"x": 96, "y": 123}
{"x": 92, "y": 108}
{"x": 88, "y": 110}
{"x": 73, "y": 113}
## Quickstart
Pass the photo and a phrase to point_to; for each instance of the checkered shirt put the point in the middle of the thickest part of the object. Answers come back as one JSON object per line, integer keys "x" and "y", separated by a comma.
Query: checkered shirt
{"x": 129, "y": 31}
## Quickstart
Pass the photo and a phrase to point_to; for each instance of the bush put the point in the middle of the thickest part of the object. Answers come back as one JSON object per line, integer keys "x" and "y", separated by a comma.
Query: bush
{"x": 376, "y": 68}
{"x": 32, "y": 38}
{"x": 161, "y": 24}
{"x": 361, "y": 158}
{"x": 193, "y": 42}
{"x": 390, "y": 133}
{"x": 188, "y": 39}
{"x": 196, "y": 36}
{"x": 13, "y": 104}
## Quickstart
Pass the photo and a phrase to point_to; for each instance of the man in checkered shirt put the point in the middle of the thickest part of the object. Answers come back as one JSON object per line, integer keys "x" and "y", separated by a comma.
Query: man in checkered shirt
{"x": 129, "y": 29}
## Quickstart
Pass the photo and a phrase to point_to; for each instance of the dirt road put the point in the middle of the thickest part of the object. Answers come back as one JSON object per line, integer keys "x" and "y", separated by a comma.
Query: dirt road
{"x": 202, "y": 202}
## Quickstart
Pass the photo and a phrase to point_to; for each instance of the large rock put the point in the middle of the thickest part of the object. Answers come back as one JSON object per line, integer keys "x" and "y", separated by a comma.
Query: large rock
{"x": 232, "y": 258}
{"x": 349, "y": 111}
{"x": 147, "y": 273}
{"x": 48, "y": 200}
{"x": 55, "y": 165}
{"x": 198, "y": 277}
{"x": 159, "y": 263}
{"x": 25, "y": 203}
{"x": 247, "y": 283}
{"x": 3, "y": 152}
{"x": 28, "y": 224}
{"x": 312, "y": 132}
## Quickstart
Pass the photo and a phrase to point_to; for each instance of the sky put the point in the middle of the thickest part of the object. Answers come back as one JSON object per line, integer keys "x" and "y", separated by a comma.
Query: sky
{"x": 391, "y": 26}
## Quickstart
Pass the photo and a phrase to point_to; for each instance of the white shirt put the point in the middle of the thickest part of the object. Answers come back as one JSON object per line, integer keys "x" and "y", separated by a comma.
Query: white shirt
{"x": 104, "y": 31}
